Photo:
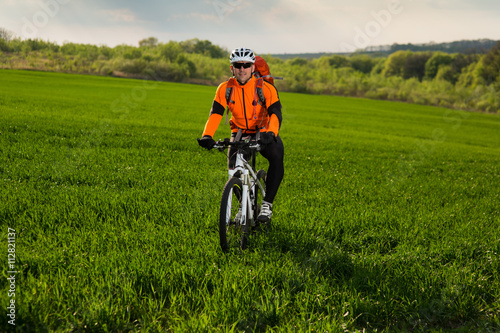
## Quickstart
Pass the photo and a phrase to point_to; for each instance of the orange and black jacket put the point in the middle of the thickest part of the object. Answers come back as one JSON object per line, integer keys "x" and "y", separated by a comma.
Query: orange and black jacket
{"x": 247, "y": 111}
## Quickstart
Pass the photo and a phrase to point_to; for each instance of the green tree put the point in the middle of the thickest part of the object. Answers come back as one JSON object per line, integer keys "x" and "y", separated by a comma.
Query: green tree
{"x": 69, "y": 49}
{"x": 134, "y": 66}
{"x": 445, "y": 72}
{"x": 188, "y": 46}
{"x": 5, "y": 38}
{"x": 335, "y": 61}
{"x": 36, "y": 44}
{"x": 453, "y": 71}
{"x": 149, "y": 42}
{"x": 378, "y": 66}
{"x": 461, "y": 61}
{"x": 88, "y": 51}
{"x": 491, "y": 65}
{"x": 362, "y": 63}
{"x": 106, "y": 51}
{"x": 5, "y": 46}
{"x": 394, "y": 66}
{"x": 206, "y": 47}
{"x": 297, "y": 62}
{"x": 432, "y": 65}
{"x": 203, "y": 47}
{"x": 187, "y": 64}
{"x": 133, "y": 54}
{"x": 469, "y": 76}
{"x": 171, "y": 50}
{"x": 414, "y": 65}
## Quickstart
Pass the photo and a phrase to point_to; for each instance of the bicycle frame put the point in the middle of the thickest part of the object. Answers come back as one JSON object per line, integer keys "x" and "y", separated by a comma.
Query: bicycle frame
{"x": 249, "y": 179}
{"x": 246, "y": 173}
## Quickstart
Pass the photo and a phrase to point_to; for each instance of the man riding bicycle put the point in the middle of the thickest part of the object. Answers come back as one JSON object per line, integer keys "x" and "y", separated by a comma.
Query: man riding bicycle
{"x": 254, "y": 104}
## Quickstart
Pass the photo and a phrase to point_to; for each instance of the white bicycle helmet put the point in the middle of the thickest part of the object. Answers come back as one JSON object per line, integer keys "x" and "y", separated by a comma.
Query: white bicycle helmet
{"x": 242, "y": 54}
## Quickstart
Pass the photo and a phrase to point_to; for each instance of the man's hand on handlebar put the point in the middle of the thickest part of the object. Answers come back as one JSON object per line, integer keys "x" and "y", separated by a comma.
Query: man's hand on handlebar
{"x": 267, "y": 138}
{"x": 206, "y": 142}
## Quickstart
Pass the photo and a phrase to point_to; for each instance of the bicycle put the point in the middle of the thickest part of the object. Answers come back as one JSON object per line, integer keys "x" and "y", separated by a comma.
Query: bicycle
{"x": 242, "y": 195}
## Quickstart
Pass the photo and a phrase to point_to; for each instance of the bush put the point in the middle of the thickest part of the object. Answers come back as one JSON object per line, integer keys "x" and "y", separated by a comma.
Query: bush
{"x": 187, "y": 65}
{"x": 432, "y": 66}
{"x": 446, "y": 73}
{"x": 394, "y": 65}
{"x": 379, "y": 66}
{"x": 69, "y": 49}
{"x": 211, "y": 69}
{"x": 168, "y": 71}
{"x": 88, "y": 52}
{"x": 491, "y": 65}
{"x": 489, "y": 99}
{"x": 132, "y": 54}
{"x": 106, "y": 52}
{"x": 362, "y": 63}
{"x": 297, "y": 62}
{"x": 170, "y": 51}
{"x": 414, "y": 65}
{"x": 149, "y": 42}
{"x": 203, "y": 47}
{"x": 337, "y": 61}
{"x": 136, "y": 66}
{"x": 4, "y": 46}
{"x": 6, "y": 35}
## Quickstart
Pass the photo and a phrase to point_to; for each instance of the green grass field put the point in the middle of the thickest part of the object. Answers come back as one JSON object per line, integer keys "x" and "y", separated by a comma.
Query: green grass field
{"x": 387, "y": 220}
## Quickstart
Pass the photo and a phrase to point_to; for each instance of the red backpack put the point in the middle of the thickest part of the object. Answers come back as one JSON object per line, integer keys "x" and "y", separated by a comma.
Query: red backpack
{"x": 262, "y": 69}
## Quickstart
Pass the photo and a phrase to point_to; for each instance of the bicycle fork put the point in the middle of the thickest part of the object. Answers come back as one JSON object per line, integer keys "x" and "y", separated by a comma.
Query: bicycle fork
{"x": 247, "y": 214}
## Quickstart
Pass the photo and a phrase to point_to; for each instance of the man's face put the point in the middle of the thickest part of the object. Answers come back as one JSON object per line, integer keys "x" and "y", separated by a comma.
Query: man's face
{"x": 242, "y": 71}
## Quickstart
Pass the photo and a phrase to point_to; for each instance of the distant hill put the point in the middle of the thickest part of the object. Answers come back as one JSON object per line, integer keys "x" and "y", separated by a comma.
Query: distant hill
{"x": 479, "y": 46}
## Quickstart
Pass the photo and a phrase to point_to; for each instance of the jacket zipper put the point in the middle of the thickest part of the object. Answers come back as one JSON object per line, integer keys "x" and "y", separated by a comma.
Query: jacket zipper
{"x": 244, "y": 106}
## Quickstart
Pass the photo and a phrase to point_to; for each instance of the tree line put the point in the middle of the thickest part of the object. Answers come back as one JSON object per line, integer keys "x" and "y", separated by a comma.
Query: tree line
{"x": 462, "y": 46}
{"x": 463, "y": 81}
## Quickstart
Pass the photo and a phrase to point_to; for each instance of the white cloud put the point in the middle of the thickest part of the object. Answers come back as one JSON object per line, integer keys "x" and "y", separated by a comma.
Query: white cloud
{"x": 111, "y": 36}
{"x": 119, "y": 15}
{"x": 8, "y": 3}
{"x": 279, "y": 26}
{"x": 191, "y": 16}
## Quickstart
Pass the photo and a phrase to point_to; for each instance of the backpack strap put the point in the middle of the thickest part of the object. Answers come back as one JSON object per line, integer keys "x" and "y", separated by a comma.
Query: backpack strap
{"x": 238, "y": 135}
{"x": 258, "y": 96}
{"x": 229, "y": 90}
{"x": 229, "y": 94}
{"x": 259, "y": 92}
{"x": 268, "y": 77}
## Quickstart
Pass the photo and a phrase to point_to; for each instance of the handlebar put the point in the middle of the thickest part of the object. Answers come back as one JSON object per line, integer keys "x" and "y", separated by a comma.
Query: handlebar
{"x": 243, "y": 144}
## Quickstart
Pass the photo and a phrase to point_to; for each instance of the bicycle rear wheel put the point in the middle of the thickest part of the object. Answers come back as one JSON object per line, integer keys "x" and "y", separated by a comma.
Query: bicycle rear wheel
{"x": 232, "y": 231}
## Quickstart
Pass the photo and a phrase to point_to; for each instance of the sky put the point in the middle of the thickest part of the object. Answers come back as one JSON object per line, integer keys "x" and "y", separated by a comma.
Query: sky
{"x": 268, "y": 27}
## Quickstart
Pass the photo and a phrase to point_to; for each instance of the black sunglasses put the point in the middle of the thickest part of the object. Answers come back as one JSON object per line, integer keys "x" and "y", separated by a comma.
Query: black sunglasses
{"x": 242, "y": 64}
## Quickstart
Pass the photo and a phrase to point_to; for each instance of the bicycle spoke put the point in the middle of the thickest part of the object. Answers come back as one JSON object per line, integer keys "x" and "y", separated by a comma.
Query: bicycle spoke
{"x": 230, "y": 231}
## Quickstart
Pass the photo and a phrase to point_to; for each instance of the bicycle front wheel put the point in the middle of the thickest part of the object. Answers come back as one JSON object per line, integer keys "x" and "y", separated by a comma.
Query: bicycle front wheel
{"x": 232, "y": 231}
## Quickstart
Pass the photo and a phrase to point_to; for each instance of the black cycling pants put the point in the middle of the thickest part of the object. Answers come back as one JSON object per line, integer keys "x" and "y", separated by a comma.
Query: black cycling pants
{"x": 274, "y": 153}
